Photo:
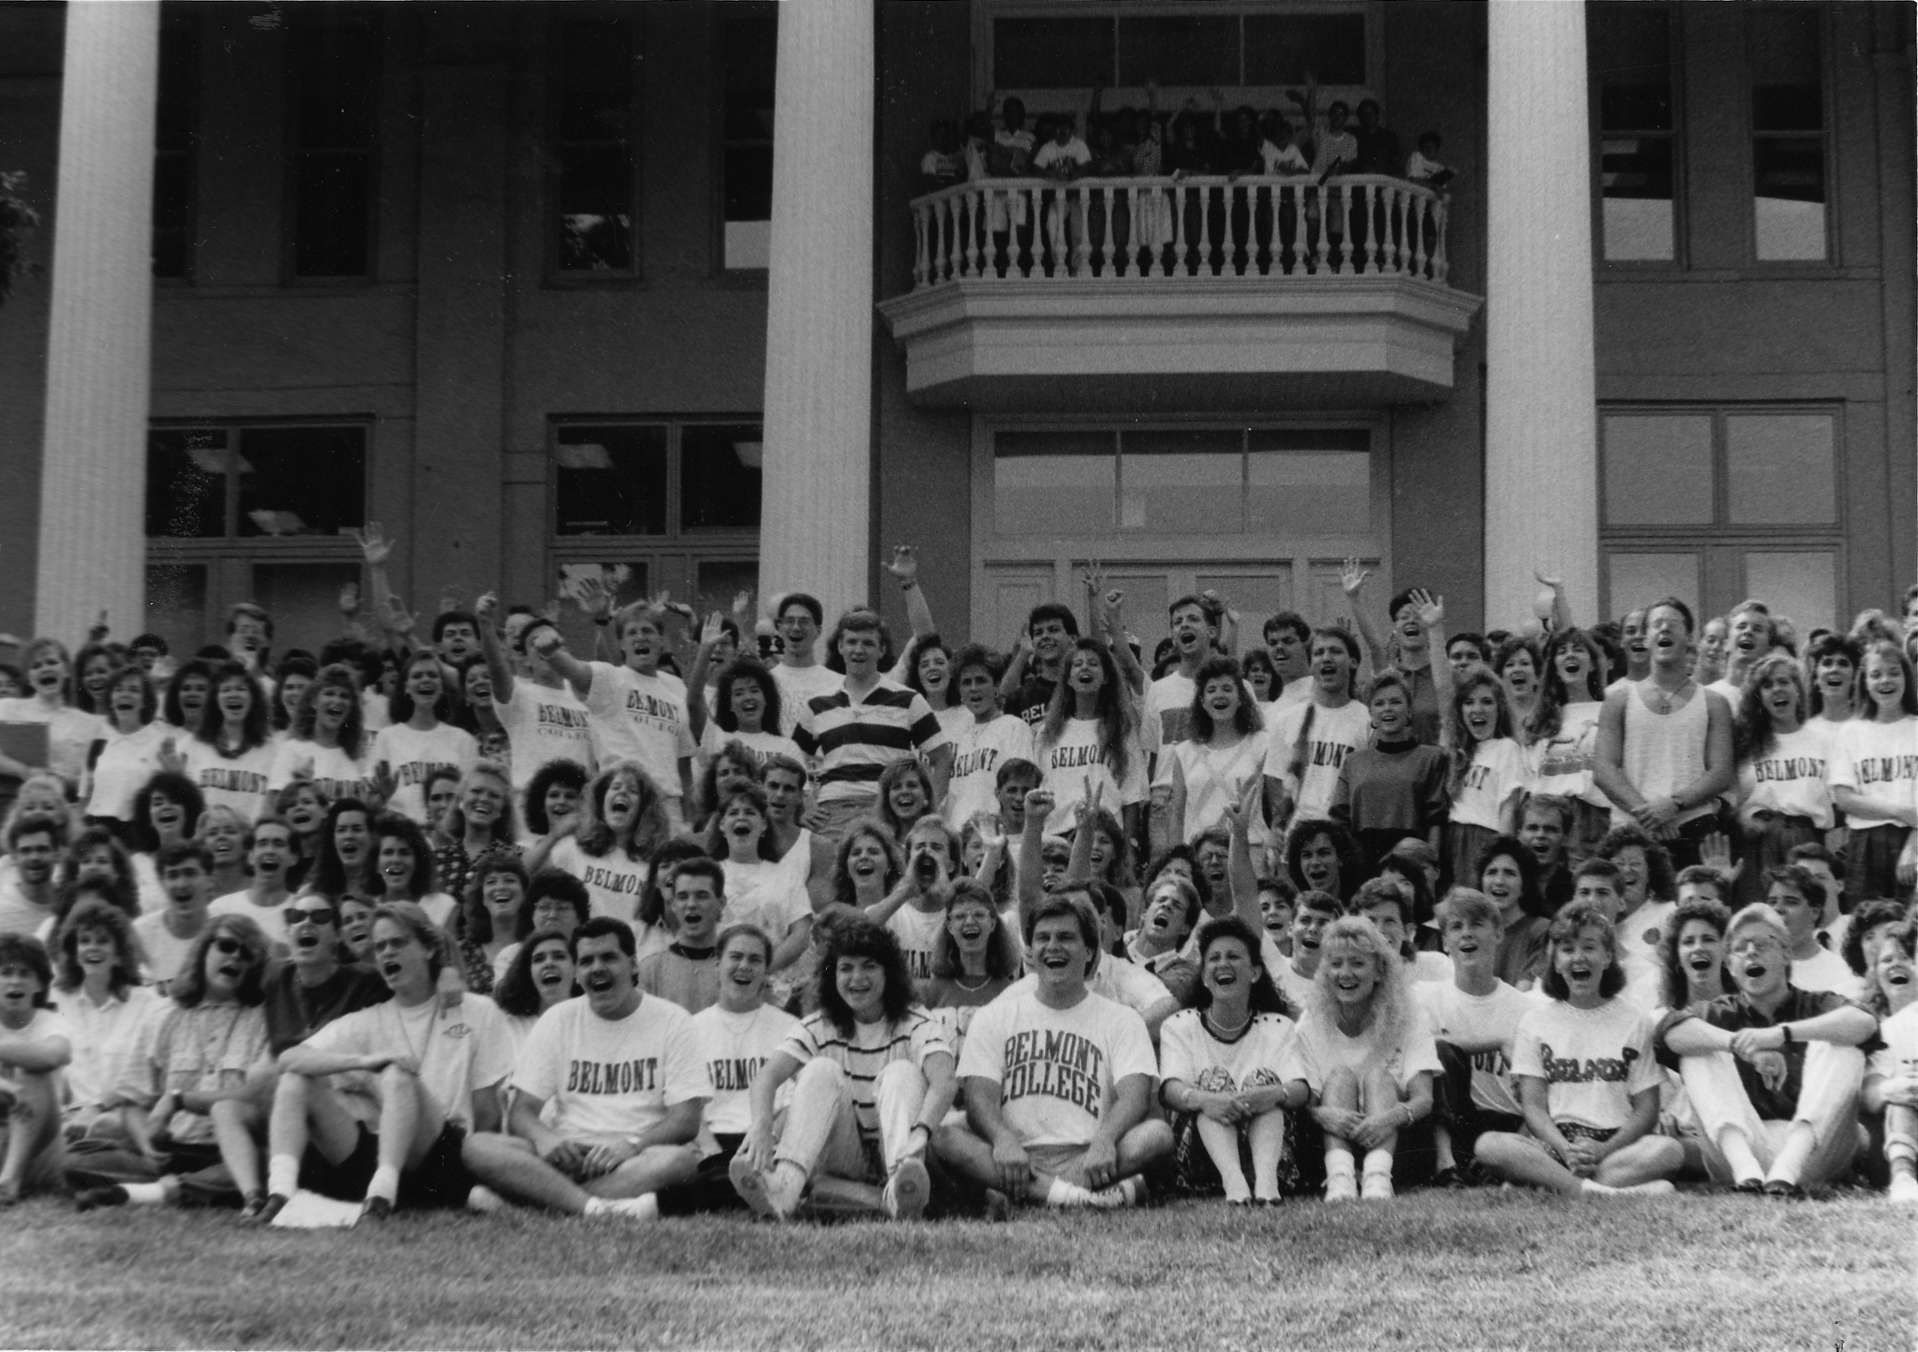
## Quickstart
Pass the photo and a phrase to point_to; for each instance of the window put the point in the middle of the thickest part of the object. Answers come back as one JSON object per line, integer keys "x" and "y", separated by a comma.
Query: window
{"x": 1786, "y": 50}
{"x": 1632, "y": 76}
{"x": 595, "y": 189}
{"x": 252, "y": 512}
{"x": 662, "y": 505}
{"x": 335, "y": 115}
{"x": 1178, "y": 50}
{"x": 176, "y": 126}
{"x": 749, "y": 48}
{"x": 1715, "y": 504}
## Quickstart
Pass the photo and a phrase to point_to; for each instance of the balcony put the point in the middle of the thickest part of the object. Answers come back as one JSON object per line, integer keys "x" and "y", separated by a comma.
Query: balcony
{"x": 1250, "y": 292}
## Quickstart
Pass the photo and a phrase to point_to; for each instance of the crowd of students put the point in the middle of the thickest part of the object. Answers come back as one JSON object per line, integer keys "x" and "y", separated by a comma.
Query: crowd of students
{"x": 743, "y": 914}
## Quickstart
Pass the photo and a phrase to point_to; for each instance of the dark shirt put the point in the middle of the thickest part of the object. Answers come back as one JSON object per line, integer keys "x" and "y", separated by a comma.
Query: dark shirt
{"x": 1521, "y": 950}
{"x": 1378, "y": 153}
{"x": 1735, "y": 1012}
{"x": 1031, "y": 700}
{"x": 1389, "y": 791}
{"x": 295, "y": 1012}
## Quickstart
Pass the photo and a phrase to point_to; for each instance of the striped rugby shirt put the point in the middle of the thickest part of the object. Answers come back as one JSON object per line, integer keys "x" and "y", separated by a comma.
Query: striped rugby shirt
{"x": 855, "y": 742}
{"x": 916, "y": 1037}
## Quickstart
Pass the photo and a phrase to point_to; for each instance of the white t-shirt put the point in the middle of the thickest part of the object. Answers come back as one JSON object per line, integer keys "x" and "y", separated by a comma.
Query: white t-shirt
{"x": 1792, "y": 777}
{"x": 1189, "y": 1052}
{"x": 1826, "y": 971}
{"x": 608, "y": 1079}
{"x": 978, "y": 750}
{"x": 1592, "y": 1060}
{"x": 165, "y": 953}
{"x": 1212, "y": 774}
{"x": 1877, "y": 759}
{"x": 460, "y": 1051}
{"x": 1320, "y": 1047}
{"x": 1562, "y": 763}
{"x": 761, "y": 746}
{"x": 124, "y": 765}
{"x": 238, "y": 782}
{"x": 1484, "y": 1027}
{"x": 917, "y": 932}
{"x": 1496, "y": 778}
{"x": 1282, "y": 159}
{"x": 1119, "y": 980}
{"x": 641, "y": 718}
{"x": 1056, "y": 1068}
{"x": 1168, "y": 702}
{"x": 798, "y": 686}
{"x": 762, "y": 893}
{"x": 1335, "y": 734}
{"x": 42, "y": 1024}
{"x": 271, "y": 919}
{"x": 543, "y": 724}
{"x": 334, "y": 773}
{"x": 734, "y": 1049}
{"x": 17, "y": 914}
{"x": 112, "y": 1045}
{"x": 1074, "y": 151}
{"x": 1078, "y": 754}
{"x": 1899, "y": 1056}
{"x": 413, "y": 755}
{"x": 614, "y": 881}
{"x": 70, "y": 732}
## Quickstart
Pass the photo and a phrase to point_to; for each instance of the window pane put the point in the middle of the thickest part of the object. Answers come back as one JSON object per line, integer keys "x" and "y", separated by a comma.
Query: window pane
{"x": 1635, "y": 580}
{"x": 1177, "y": 482}
{"x": 335, "y": 70}
{"x": 1052, "y": 53}
{"x": 330, "y": 205}
{"x": 186, "y": 483}
{"x": 174, "y": 122}
{"x": 1788, "y": 177}
{"x": 595, "y": 204}
{"x": 1181, "y": 49}
{"x": 719, "y": 476}
{"x": 1054, "y": 483}
{"x": 1282, "y": 49}
{"x": 304, "y": 601}
{"x": 302, "y": 480}
{"x": 596, "y": 80}
{"x": 1310, "y": 483}
{"x": 1658, "y": 470}
{"x": 1779, "y": 468}
{"x": 1800, "y": 586}
{"x": 1631, "y": 62}
{"x": 612, "y": 481}
{"x": 176, "y": 605}
{"x": 1635, "y": 174}
{"x": 1787, "y": 69}
{"x": 717, "y": 583}
{"x": 751, "y": 42}
{"x": 628, "y": 581}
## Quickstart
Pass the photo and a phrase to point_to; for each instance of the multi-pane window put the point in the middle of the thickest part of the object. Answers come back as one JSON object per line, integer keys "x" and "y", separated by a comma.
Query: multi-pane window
{"x": 749, "y": 48}
{"x": 1714, "y": 504}
{"x": 335, "y": 119}
{"x": 1109, "y": 47}
{"x": 1785, "y": 49}
{"x": 657, "y": 505}
{"x": 176, "y": 128}
{"x": 1632, "y": 75}
{"x": 595, "y": 133}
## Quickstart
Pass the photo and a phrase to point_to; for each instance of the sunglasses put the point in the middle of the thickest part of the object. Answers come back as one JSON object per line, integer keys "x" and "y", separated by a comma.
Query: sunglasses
{"x": 318, "y": 915}
{"x": 226, "y": 947}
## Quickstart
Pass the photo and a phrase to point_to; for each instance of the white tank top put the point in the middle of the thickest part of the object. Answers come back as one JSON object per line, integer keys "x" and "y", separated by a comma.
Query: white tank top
{"x": 1664, "y": 752}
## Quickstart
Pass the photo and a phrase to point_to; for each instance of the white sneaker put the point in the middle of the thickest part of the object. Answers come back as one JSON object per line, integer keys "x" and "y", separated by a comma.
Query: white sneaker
{"x": 484, "y": 1200}
{"x": 1377, "y": 1186}
{"x": 644, "y": 1207}
{"x": 1657, "y": 1188}
{"x": 774, "y": 1193}
{"x": 1341, "y": 1188}
{"x": 1904, "y": 1188}
{"x": 906, "y": 1190}
{"x": 1126, "y": 1192}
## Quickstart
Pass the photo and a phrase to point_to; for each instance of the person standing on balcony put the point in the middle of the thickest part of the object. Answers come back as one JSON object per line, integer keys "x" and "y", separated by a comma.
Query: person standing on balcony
{"x": 944, "y": 164}
{"x": 1377, "y": 148}
{"x": 1009, "y": 157}
{"x": 1062, "y": 158}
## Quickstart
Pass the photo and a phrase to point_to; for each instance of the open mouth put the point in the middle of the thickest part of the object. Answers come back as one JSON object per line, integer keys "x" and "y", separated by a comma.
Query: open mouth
{"x": 230, "y": 971}
{"x": 598, "y": 983}
{"x": 1579, "y": 971}
{"x": 1756, "y": 971}
{"x": 547, "y": 976}
{"x": 970, "y": 933}
{"x": 1053, "y": 962}
{"x": 306, "y": 940}
{"x": 1465, "y": 946}
{"x": 1898, "y": 976}
{"x": 1701, "y": 962}
{"x": 390, "y": 970}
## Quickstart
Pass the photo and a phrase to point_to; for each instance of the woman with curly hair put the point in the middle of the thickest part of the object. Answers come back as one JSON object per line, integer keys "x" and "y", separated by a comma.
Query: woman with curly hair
{"x": 490, "y": 913}
{"x": 420, "y": 740}
{"x": 873, "y": 1078}
{"x": 1362, "y": 1062}
{"x": 93, "y": 669}
{"x": 188, "y": 691}
{"x": 1220, "y": 1068}
{"x": 1200, "y": 777}
{"x": 551, "y": 805}
{"x": 110, "y": 1015}
{"x": 1507, "y": 873}
{"x": 130, "y": 754}
{"x": 974, "y": 959}
{"x": 1785, "y": 799}
{"x": 403, "y": 863}
{"x": 758, "y": 890}
{"x": 1519, "y": 667}
{"x": 345, "y": 865}
{"x": 539, "y": 977}
{"x": 904, "y": 796}
{"x": 230, "y": 754}
{"x": 927, "y": 668}
{"x": 1873, "y": 771}
{"x": 1692, "y": 955}
{"x": 1090, "y": 736}
{"x": 622, "y": 822}
{"x": 732, "y": 766}
{"x": 1564, "y": 737}
{"x": 1590, "y": 1133}
{"x": 327, "y": 745}
{"x": 1831, "y": 674}
{"x": 480, "y": 822}
{"x": 35, "y": 1044}
{"x": 1321, "y": 856}
{"x": 1891, "y": 1077}
{"x": 867, "y": 866}
{"x": 1486, "y": 773}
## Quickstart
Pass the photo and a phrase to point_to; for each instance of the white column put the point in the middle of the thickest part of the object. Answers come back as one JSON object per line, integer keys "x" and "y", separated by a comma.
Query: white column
{"x": 92, "y": 553}
{"x": 1541, "y": 450}
{"x": 815, "y": 519}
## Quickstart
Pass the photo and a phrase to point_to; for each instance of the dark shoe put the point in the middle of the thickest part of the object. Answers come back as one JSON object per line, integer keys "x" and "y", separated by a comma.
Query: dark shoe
{"x": 377, "y": 1209}
{"x": 251, "y": 1208}
{"x": 1783, "y": 1191}
{"x": 269, "y": 1207}
{"x": 1451, "y": 1177}
{"x": 1753, "y": 1186}
{"x": 89, "y": 1198}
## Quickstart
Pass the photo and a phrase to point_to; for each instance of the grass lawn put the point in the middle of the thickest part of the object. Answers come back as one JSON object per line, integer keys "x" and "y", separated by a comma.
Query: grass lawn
{"x": 1480, "y": 1269}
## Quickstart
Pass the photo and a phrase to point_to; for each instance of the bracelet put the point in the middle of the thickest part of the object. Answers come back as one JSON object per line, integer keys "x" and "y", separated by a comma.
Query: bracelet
{"x": 602, "y": 620}
{"x": 1784, "y": 1030}
{"x": 908, "y": 584}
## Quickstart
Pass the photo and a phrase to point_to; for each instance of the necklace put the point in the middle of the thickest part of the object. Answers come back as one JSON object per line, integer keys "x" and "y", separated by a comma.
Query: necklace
{"x": 978, "y": 984}
{"x": 1222, "y": 1030}
{"x": 432, "y": 1017}
{"x": 1660, "y": 699}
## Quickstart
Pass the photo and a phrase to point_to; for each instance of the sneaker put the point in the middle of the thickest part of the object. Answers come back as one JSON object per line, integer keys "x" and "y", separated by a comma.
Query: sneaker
{"x": 269, "y": 1207}
{"x": 251, "y": 1208}
{"x": 376, "y": 1210}
{"x": 484, "y": 1200}
{"x": 1126, "y": 1192}
{"x": 1341, "y": 1188}
{"x": 1749, "y": 1185}
{"x": 89, "y": 1198}
{"x": 1904, "y": 1188}
{"x": 772, "y": 1193}
{"x": 1784, "y": 1191}
{"x": 644, "y": 1207}
{"x": 1658, "y": 1187}
{"x": 906, "y": 1190}
{"x": 1377, "y": 1186}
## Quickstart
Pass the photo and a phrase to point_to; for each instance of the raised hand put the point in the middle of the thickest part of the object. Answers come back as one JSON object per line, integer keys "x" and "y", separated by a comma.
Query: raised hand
{"x": 170, "y": 758}
{"x": 1430, "y": 608}
{"x": 904, "y": 563}
{"x": 1715, "y": 851}
{"x": 487, "y": 607}
{"x": 591, "y": 594}
{"x": 350, "y": 599}
{"x": 713, "y": 631}
{"x": 1352, "y": 576}
{"x": 375, "y": 548}
{"x": 99, "y": 630}
{"x": 743, "y": 603}
{"x": 399, "y": 619}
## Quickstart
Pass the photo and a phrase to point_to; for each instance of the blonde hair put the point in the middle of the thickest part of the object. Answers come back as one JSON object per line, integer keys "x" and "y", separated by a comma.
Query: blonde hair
{"x": 1391, "y": 1010}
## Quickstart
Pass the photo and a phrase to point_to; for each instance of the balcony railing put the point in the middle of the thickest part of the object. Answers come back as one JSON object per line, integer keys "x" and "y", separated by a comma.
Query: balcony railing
{"x": 1006, "y": 229}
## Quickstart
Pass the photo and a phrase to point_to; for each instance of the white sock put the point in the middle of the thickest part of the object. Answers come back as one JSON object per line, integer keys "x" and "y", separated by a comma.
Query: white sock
{"x": 1738, "y": 1154}
{"x": 1338, "y": 1160}
{"x": 644, "y": 1207}
{"x": 1603, "y": 1190}
{"x": 386, "y": 1183}
{"x": 1377, "y": 1161}
{"x": 1062, "y": 1193}
{"x": 283, "y": 1175}
{"x": 145, "y": 1194}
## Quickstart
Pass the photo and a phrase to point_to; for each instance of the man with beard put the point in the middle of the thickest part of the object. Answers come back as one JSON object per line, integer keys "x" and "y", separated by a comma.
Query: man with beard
{"x": 1310, "y": 740}
{"x": 624, "y": 1076}
{"x": 432, "y": 1073}
{"x": 1773, "y": 1071}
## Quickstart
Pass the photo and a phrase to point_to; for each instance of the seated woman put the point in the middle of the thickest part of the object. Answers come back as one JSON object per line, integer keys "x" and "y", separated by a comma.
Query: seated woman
{"x": 1219, "y": 1069}
{"x": 1586, "y": 1077}
{"x": 874, "y": 1079}
{"x": 34, "y": 1044}
{"x": 539, "y": 977}
{"x": 194, "y": 1146}
{"x": 974, "y": 959}
{"x": 1366, "y": 1058}
{"x": 1692, "y": 955}
{"x": 489, "y": 919}
{"x": 111, "y": 1018}
{"x": 1891, "y": 1082}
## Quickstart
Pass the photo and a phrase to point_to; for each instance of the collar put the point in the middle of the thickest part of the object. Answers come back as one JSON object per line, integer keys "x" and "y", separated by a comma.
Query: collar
{"x": 692, "y": 954}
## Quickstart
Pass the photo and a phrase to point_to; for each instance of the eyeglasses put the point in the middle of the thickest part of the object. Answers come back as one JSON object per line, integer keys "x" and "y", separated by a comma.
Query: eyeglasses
{"x": 228, "y": 947}
{"x": 318, "y": 915}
